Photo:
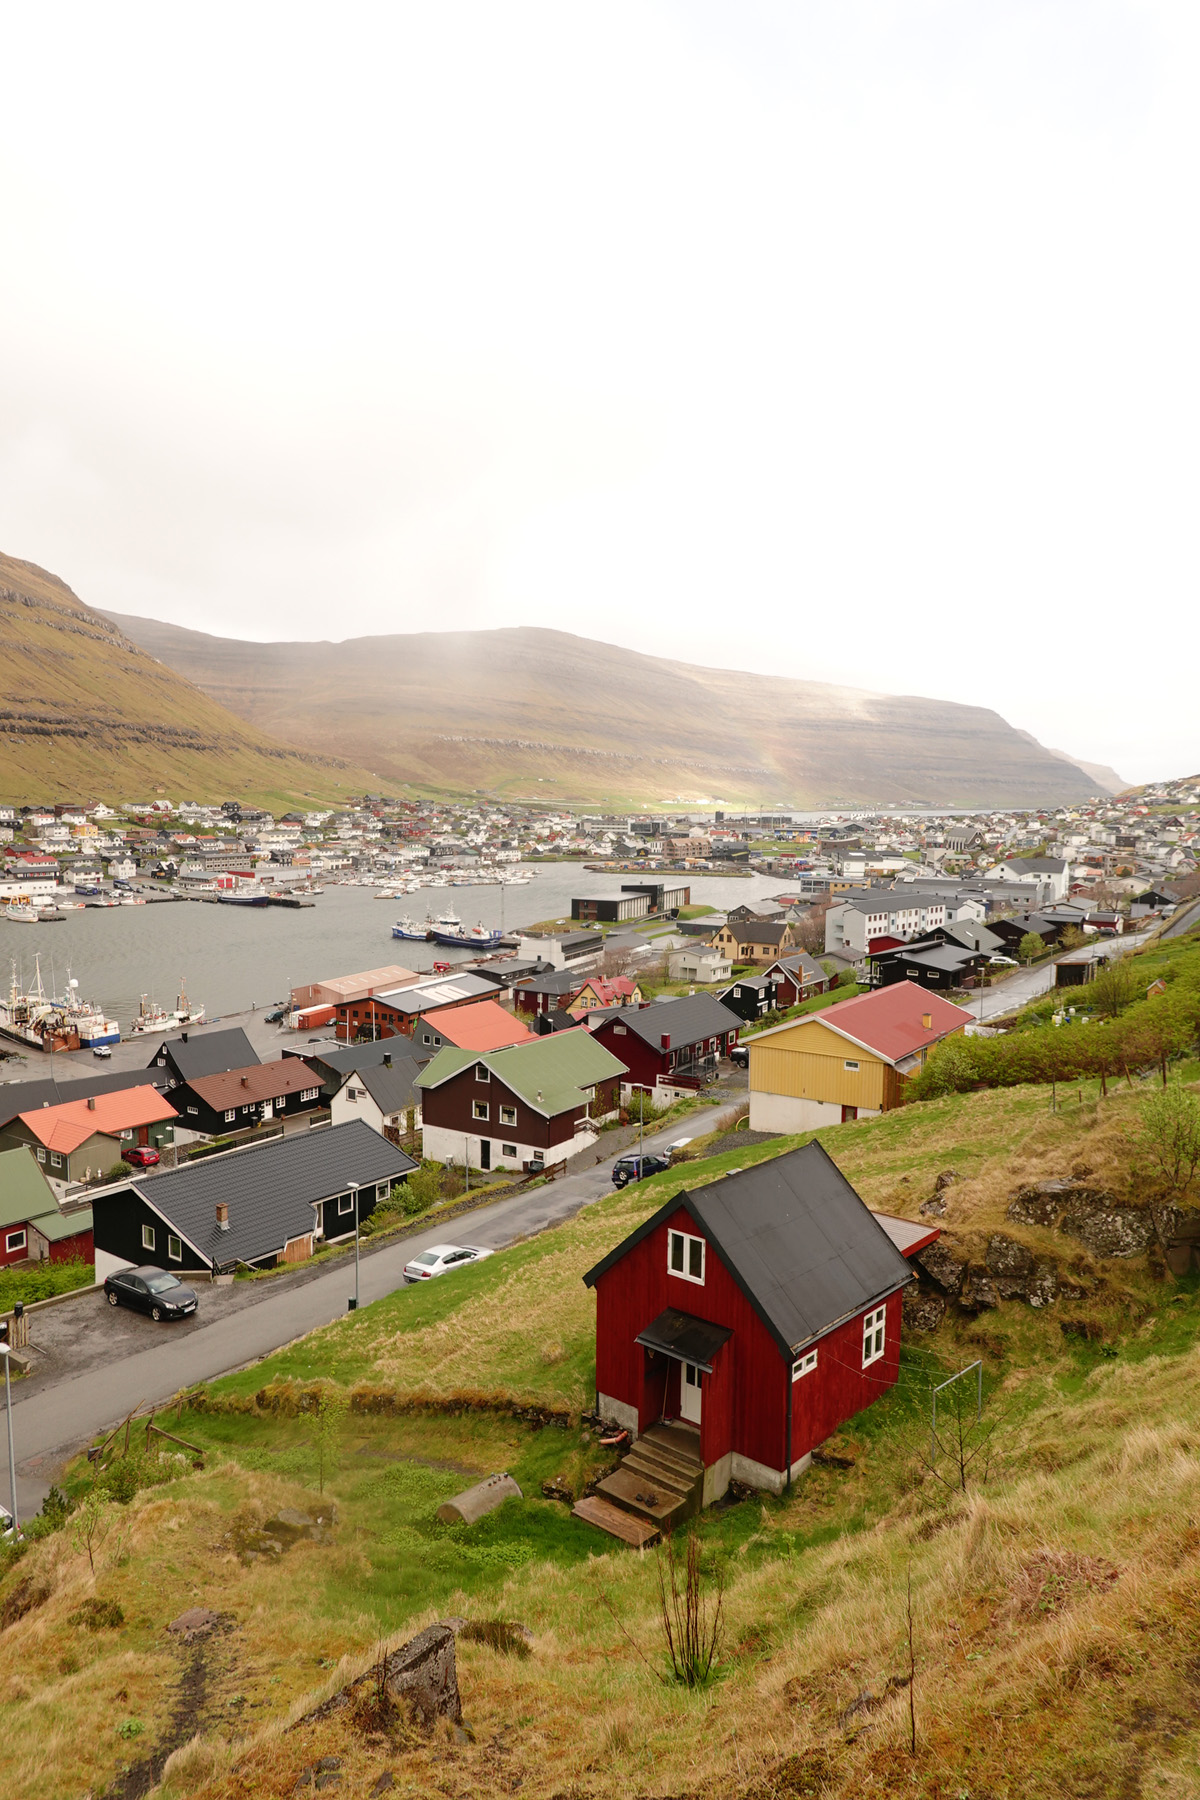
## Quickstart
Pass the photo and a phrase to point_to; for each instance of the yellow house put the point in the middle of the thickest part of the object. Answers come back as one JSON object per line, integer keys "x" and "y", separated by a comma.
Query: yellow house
{"x": 850, "y": 1061}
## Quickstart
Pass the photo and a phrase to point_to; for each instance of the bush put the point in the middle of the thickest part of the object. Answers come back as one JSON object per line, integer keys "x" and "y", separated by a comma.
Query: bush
{"x": 43, "y": 1282}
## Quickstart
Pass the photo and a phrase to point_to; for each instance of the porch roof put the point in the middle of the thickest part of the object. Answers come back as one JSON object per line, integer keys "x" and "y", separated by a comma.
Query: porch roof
{"x": 689, "y": 1339}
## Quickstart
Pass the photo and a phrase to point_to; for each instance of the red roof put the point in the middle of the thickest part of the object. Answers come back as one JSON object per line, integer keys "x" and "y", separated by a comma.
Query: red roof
{"x": 609, "y": 990}
{"x": 483, "y": 1026}
{"x": 72, "y": 1123}
{"x": 891, "y": 1020}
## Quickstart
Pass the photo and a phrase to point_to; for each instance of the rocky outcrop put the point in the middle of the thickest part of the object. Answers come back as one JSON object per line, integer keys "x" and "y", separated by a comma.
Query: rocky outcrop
{"x": 1104, "y": 1225}
{"x": 945, "y": 1265}
{"x": 1018, "y": 1273}
{"x": 421, "y": 1678}
{"x": 921, "y": 1312}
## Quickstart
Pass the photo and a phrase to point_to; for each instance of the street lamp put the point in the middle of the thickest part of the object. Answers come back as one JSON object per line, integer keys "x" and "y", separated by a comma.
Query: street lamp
{"x": 12, "y": 1466}
{"x": 353, "y": 1304}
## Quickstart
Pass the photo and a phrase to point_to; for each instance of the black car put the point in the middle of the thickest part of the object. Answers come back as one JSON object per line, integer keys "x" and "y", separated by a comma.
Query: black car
{"x": 739, "y": 1056}
{"x": 275, "y": 1018}
{"x": 151, "y": 1290}
{"x": 636, "y": 1168}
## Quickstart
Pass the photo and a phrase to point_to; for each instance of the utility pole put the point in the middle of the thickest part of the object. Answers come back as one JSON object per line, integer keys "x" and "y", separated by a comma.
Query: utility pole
{"x": 353, "y": 1186}
{"x": 12, "y": 1464}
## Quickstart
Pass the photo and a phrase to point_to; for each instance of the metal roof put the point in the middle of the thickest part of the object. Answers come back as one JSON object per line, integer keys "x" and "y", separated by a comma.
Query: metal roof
{"x": 208, "y": 1052}
{"x": 270, "y": 1189}
{"x": 802, "y": 1246}
{"x": 684, "y": 1020}
{"x": 691, "y": 1340}
{"x": 24, "y": 1190}
{"x": 549, "y": 1073}
{"x": 24, "y": 1096}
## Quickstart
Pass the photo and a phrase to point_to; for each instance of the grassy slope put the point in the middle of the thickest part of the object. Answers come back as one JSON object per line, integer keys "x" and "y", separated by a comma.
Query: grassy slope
{"x": 1055, "y": 1609}
{"x": 89, "y": 714}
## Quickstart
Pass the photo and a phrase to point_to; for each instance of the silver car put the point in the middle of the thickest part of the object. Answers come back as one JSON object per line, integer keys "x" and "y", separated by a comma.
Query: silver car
{"x": 440, "y": 1259}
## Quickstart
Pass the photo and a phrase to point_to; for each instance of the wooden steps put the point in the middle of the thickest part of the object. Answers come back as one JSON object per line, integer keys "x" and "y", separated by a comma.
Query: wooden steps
{"x": 657, "y": 1485}
{"x": 649, "y": 1499}
{"x": 616, "y": 1521}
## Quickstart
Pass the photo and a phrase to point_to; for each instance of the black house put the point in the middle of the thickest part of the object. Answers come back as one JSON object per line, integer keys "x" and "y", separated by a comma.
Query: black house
{"x": 271, "y": 1203}
{"x": 751, "y": 997}
{"x": 197, "y": 1053}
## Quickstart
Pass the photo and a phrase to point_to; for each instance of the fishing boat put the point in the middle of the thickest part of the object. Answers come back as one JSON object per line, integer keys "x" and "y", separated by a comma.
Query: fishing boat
{"x": 406, "y": 928}
{"x": 22, "y": 912}
{"x": 152, "y": 1017}
{"x": 448, "y": 929}
{"x": 36, "y": 1018}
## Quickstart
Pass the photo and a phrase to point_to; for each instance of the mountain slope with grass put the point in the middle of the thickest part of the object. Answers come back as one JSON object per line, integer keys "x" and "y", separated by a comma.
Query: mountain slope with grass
{"x": 1048, "y": 1605}
{"x": 89, "y": 714}
{"x": 551, "y": 716}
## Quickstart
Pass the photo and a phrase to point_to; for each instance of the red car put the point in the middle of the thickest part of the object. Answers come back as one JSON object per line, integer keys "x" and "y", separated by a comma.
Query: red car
{"x": 140, "y": 1156}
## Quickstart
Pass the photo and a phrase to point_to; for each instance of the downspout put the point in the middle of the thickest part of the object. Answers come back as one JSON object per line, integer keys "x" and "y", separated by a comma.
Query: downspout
{"x": 787, "y": 1484}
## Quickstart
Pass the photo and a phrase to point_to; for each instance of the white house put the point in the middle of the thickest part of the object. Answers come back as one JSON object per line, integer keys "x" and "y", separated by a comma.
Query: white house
{"x": 383, "y": 1095}
{"x": 1053, "y": 873}
{"x": 699, "y": 962}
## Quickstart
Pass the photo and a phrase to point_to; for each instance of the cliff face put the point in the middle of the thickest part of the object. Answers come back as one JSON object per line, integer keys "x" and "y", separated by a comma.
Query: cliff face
{"x": 548, "y": 715}
{"x": 85, "y": 712}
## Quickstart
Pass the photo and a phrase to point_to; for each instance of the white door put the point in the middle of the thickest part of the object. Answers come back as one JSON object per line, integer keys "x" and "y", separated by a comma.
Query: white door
{"x": 689, "y": 1393}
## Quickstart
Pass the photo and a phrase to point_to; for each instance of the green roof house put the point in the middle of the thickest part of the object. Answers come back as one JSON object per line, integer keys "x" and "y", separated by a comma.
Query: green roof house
{"x": 32, "y": 1227}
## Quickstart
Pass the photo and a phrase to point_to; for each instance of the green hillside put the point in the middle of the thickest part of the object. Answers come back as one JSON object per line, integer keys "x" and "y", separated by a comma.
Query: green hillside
{"x": 1054, "y": 1628}
{"x": 87, "y": 714}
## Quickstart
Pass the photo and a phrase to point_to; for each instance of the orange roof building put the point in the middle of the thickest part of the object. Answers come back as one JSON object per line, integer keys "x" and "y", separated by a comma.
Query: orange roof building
{"x": 485, "y": 1025}
{"x": 81, "y": 1138}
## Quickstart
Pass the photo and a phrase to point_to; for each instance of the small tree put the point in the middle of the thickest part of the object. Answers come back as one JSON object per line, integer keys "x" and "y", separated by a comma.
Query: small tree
{"x": 691, "y": 1624}
{"x": 420, "y": 1191}
{"x": 1112, "y": 990}
{"x": 93, "y": 1523}
{"x": 327, "y": 1431}
{"x": 1169, "y": 1135}
{"x": 1031, "y": 946}
{"x": 1072, "y": 938}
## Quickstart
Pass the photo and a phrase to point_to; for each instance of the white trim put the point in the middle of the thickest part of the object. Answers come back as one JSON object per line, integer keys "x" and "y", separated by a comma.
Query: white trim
{"x": 804, "y": 1365}
{"x": 686, "y": 1238}
{"x": 153, "y": 1237}
{"x": 16, "y": 1240}
{"x": 874, "y": 1335}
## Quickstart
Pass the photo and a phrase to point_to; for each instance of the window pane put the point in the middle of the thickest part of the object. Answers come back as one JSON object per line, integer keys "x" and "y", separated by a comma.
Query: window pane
{"x": 695, "y": 1257}
{"x": 677, "y": 1252}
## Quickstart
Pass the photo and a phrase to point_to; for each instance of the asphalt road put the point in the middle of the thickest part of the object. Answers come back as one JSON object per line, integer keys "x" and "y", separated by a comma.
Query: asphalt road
{"x": 1019, "y": 989}
{"x": 96, "y": 1364}
{"x": 1185, "y": 918}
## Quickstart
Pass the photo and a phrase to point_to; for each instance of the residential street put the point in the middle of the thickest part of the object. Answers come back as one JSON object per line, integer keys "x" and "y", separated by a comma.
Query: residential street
{"x": 97, "y": 1363}
{"x": 1019, "y": 989}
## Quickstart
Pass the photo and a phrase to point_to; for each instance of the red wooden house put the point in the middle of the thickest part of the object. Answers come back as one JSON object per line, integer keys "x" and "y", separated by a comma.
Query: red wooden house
{"x": 672, "y": 1045}
{"x": 740, "y": 1325}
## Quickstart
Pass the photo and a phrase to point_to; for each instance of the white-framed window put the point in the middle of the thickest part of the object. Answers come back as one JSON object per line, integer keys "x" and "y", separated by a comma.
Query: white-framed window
{"x": 482, "y": 1074}
{"x": 41, "y": 1154}
{"x": 309, "y": 1093}
{"x": 193, "y": 1109}
{"x": 14, "y": 1241}
{"x": 55, "y": 1160}
{"x": 508, "y": 1115}
{"x": 851, "y": 1066}
{"x": 804, "y": 1365}
{"x": 345, "y": 1203}
{"x": 126, "y": 1134}
{"x": 174, "y": 1247}
{"x": 147, "y": 1237}
{"x": 508, "y": 1149}
{"x": 874, "y": 1325}
{"x": 479, "y": 1109}
{"x": 685, "y": 1256}
{"x": 618, "y": 1031}
{"x": 281, "y": 1103}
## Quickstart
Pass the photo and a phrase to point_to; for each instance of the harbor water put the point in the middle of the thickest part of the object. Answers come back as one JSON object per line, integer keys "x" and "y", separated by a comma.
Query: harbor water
{"x": 233, "y": 957}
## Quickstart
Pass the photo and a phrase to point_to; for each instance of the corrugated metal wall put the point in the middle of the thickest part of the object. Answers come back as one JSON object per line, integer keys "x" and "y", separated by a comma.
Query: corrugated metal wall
{"x": 809, "y": 1064}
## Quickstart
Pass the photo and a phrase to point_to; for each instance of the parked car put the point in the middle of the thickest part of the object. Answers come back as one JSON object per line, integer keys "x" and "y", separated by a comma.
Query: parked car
{"x": 440, "y": 1259}
{"x": 1003, "y": 962}
{"x": 140, "y": 1156}
{"x": 101, "y": 1050}
{"x": 739, "y": 1055}
{"x": 636, "y": 1168}
{"x": 150, "y": 1290}
{"x": 276, "y": 1017}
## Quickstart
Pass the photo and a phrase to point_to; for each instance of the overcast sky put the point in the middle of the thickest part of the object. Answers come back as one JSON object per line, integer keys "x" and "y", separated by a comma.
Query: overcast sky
{"x": 853, "y": 341}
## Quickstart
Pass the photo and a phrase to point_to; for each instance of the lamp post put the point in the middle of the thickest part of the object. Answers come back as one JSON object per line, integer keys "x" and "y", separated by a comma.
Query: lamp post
{"x": 353, "y": 1186}
{"x": 12, "y": 1465}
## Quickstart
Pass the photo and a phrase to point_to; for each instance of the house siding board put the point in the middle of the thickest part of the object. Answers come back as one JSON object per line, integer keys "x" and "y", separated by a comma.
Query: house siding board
{"x": 839, "y": 1386}
{"x": 448, "y": 1107}
{"x": 820, "y": 1074}
{"x": 747, "y": 1381}
{"x": 118, "y": 1218}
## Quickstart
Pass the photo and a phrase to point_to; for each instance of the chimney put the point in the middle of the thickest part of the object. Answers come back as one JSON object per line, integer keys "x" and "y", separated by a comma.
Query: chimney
{"x": 91, "y": 1102}
{"x": 183, "y": 1039}
{"x": 222, "y": 1216}
{"x": 666, "y": 1040}
{"x": 245, "y": 1081}
{"x": 387, "y": 1059}
{"x": 927, "y": 1021}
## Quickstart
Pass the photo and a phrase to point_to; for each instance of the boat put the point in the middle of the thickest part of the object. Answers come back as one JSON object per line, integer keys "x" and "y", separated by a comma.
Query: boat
{"x": 22, "y": 912}
{"x": 405, "y": 928}
{"x": 258, "y": 899}
{"x": 152, "y": 1017}
{"x": 448, "y": 929}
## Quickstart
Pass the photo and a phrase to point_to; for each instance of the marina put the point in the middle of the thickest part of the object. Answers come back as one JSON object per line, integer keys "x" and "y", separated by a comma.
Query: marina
{"x": 236, "y": 957}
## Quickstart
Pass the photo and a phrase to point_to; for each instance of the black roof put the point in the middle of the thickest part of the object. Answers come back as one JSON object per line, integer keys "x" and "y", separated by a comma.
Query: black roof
{"x": 391, "y": 1088}
{"x": 199, "y": 1053}
{"x": 555, "y": 981}
{"x": 679, "y": 1334}
{"x": 342, "y": 1059}
{"x": 684, "y": 1020}
{"x": 30, "y": 1096}
{"x": 270, "y": 1189}
{"x": 803, "y": 1247}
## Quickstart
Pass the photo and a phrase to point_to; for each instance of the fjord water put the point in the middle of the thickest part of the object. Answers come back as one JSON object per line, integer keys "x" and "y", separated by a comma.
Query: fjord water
{"x": 237, "y": 956}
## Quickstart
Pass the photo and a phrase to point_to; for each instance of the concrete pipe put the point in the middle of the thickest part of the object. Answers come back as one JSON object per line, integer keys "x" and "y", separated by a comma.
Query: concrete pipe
{"x": 484, "y": 1497}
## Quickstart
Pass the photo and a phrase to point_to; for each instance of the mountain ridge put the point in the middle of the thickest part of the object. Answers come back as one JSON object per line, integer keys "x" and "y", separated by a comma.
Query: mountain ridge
{"x": 88, "y": 712}
{"x": 529, "y": 712}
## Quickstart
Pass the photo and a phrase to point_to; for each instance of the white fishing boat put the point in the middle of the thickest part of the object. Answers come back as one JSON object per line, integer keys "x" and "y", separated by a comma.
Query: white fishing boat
{"x": 153, "y": 1018}
{"x": 406, "y": 928}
